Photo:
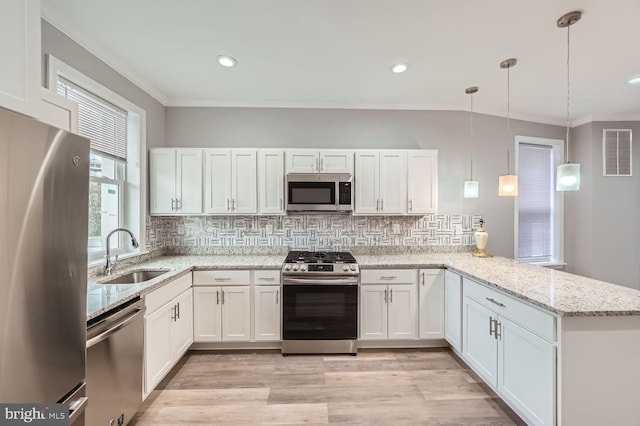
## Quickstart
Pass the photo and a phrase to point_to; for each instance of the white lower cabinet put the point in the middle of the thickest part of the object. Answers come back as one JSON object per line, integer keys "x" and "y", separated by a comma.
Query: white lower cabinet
{"x": 266, "y": 311}
{"x": 168, "y": 326}
{"x": 388, "y": 311}
{"x": 431, "y": 309}
{"x": 453, "y": 309}
{"x": 501, "y": 347}
{"x": 222, "y": 313}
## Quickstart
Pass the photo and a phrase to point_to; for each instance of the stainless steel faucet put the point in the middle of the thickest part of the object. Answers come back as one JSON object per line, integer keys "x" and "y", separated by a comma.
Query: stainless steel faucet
{"x": 108, "y": 264}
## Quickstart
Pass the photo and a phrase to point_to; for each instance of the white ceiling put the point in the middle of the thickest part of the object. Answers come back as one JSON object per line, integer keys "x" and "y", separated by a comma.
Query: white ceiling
{"x": 337, "y": 53}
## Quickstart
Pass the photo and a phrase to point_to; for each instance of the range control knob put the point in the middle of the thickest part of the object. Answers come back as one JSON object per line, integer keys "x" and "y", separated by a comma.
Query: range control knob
{"x": 303, "y": 267}
{"x": 287, "y": 267}
{"x": 345, "y": 268}
{"x": 295, "y": 267}
{"x": 353, "y": 266}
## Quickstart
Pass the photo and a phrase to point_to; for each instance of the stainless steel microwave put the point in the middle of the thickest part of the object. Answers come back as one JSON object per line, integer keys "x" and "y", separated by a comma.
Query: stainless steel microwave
{"x": 317, "y": 192}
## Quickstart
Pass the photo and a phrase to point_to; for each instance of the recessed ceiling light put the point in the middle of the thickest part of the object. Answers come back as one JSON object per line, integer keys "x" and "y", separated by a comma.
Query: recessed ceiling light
{"x": 227, "y": 61}
{"x": 635, "y": 80}
{"x": 398, "y": 68}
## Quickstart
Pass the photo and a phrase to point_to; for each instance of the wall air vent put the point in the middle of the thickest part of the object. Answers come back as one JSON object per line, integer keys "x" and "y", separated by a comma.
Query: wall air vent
{"x": 616, "y": 152}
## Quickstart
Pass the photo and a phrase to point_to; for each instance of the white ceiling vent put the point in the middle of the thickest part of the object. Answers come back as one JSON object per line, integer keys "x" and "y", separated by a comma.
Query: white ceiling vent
{"x": 616, "y": 152}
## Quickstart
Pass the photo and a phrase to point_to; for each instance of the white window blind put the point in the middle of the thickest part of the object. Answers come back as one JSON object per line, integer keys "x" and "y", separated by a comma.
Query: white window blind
{"x": 102, "y": 122}
{"x": 616, "y": 150}
{"x": 535, "y": 203}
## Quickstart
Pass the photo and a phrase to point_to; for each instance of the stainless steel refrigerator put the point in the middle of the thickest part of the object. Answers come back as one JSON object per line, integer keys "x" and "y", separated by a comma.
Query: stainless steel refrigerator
{"x": 44, "y": 185}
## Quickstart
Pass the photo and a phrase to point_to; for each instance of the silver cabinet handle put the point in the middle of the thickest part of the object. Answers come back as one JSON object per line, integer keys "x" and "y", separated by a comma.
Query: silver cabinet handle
{"x": 228, "y": 204}
{"x": 277, "y": 296}
{"x": 498, "y": 330}
{"x": 173, "y": 313}
{"x": 385, "y": 296}
{"x": 391, "y": 277}
{"x": 321, "y": 165}
{"x": 233, "y": 204}
{"x": 381, "y": 204}
{"x": 502, "y": 305}
{"x": 217, "y": 297}
{"x": 391, "y": 295}
{"x": 173, "y": 204}
{"x": 222, "y": 279}
{"x": 377, "y": 204}
{"x": 422, "y": 279}
{"x": 410, "y": 205}
{"x": 223, "y": 297}
{"x": 178, "y": 311}
{"x": 317, "y": 168}
{"x": 281, "y": 204}
{"x": 267, "y": 278}
{"x": 178, "y": 203}
{"x": 491, "y": 329}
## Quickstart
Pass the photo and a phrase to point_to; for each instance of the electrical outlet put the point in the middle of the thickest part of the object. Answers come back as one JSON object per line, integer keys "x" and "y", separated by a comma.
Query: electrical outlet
{"x": 396, "y": 228}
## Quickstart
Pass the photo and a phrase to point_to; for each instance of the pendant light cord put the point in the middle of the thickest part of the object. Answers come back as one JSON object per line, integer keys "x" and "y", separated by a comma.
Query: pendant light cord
{"x": 568, "y": 88}
{"x": 471, "y": 149}
{"x": 508, "y": 114}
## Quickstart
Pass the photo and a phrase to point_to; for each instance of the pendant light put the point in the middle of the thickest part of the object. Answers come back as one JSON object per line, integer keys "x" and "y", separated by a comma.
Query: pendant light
{"x": 471, "y": 187}
{"x": 568, "y": 175}
{"x": 508, "y": 184}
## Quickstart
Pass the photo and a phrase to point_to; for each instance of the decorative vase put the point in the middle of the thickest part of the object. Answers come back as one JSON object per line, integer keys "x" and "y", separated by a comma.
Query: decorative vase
{"x": 482, "y": 237}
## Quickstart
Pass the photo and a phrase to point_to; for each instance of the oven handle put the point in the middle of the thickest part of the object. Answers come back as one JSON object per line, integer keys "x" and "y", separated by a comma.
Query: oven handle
{"x": 320, "y": 281}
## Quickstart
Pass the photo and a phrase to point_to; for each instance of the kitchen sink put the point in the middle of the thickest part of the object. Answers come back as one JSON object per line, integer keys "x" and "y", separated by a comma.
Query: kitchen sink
{"x": 139, "y": 276}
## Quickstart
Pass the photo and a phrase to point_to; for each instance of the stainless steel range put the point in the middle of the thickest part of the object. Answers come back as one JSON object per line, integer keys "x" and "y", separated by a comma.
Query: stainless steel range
{"x": 319, "y": 303}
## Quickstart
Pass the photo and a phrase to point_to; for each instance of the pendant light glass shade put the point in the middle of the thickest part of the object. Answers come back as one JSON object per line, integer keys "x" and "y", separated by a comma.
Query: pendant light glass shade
{"x": 568, "y": 177}
{"x": 508, "y": 186}
{"x": 471, "y": 189}
{"x": 568, "y": 174}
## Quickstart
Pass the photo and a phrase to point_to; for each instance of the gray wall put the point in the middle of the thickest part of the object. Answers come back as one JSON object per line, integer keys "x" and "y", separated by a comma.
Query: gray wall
{"x": 603, "y": 234}
{"x": 447, "y": 131}
{"x": 56, "y": 43}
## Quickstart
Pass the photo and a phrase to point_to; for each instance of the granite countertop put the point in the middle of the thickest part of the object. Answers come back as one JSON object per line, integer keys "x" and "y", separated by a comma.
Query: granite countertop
{"x": 556, "y": 291}
{"x": 103, "y": 297}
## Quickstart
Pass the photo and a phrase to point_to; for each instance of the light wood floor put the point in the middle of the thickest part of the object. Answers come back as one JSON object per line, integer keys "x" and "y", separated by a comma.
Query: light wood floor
{"x": 377, "y": 387}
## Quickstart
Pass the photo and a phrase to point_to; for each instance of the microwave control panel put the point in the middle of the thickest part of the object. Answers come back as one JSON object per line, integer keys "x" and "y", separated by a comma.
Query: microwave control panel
{"x": 344, "y": 192}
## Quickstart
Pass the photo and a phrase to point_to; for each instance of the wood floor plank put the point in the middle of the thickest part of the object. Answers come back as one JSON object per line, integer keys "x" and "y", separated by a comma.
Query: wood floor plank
{"x": 377, "y": 387}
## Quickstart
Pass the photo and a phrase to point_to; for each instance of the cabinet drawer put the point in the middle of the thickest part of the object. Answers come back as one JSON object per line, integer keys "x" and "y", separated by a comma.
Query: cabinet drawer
{"x": 166, "y": 293}
{"x": 266, "y": 277}
{"x": 222, "y": 277}
{"x": 535, "y": 320}
{"x": 389, "y": 276}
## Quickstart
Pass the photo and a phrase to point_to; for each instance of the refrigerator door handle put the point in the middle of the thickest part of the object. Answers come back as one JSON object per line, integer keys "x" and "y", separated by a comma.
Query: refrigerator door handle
{"x": 76, "y": 408}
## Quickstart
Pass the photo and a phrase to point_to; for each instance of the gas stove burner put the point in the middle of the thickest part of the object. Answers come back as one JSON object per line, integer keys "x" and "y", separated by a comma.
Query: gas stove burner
{"x": 324, "y": 262}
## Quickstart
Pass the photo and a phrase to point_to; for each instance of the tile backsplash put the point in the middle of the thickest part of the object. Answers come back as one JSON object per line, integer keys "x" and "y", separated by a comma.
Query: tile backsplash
{"x": 310, "y": 231}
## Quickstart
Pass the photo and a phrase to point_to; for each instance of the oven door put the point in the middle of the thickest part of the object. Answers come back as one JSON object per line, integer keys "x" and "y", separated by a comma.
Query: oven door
{"x": 320, "y": 311}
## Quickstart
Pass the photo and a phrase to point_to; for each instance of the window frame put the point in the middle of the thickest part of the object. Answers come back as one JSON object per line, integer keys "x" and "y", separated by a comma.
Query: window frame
{"x": 134, "y": 207}
{"x": 557, "y": 145}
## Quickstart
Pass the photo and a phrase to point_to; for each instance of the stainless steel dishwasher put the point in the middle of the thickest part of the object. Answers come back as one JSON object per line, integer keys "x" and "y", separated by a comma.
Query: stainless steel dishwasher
{"x": 115, "y": 342}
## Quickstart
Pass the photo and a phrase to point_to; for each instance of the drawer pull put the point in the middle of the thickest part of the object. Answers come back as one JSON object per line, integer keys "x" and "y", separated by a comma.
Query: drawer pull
{"x": 502, "y": 305}
{"x": 222, "y": 279}
{"x": 388, "y": 278}
{"x": 266, "y": 278}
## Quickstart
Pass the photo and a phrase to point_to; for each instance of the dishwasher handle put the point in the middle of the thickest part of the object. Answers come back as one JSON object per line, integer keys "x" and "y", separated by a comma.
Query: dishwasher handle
{"x": 111, "y": 331}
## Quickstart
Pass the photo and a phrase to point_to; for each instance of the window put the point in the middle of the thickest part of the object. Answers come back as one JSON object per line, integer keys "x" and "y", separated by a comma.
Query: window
{"x": 539, "y": 205}
{"x": 115, "y": 129}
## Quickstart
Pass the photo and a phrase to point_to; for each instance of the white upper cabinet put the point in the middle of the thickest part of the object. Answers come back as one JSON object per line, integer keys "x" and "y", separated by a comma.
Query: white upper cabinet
{"x": 230, "y": 181}
{"x": 380, "y": 182}
{"x": 20, "y": 47}
{"x": 271, "y": 181}
{"x": 319, "y": 161}
{"x": 422, "y": 181}
{"x": 396, "y": 182}
{"x": 175, "y": 181}
{"x": 58, "y": 111}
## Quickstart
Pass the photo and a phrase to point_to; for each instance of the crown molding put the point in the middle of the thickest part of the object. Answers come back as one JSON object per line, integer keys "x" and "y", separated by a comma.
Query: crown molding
{"x": 52, "y": 16}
